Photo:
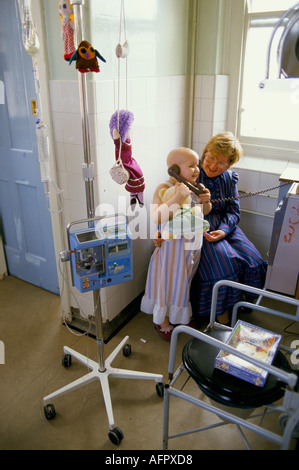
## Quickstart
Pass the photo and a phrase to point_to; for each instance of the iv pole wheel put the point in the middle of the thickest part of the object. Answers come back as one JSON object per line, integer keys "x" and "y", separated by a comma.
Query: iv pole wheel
{"x": 127, "y": 350}
{"x": 49, "y": 411}
{"x": 283, "y": 421}
{"x": 66, "y": 360}
{"x": 115, "y": 436}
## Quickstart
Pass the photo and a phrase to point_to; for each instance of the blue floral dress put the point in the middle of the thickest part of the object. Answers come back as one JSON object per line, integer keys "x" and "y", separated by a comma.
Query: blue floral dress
{"x": 234, "y": 257}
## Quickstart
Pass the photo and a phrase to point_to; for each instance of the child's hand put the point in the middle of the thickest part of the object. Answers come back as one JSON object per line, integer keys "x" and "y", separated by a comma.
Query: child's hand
{"x": 182, "y": 191}
{"x": 157, "y": 239}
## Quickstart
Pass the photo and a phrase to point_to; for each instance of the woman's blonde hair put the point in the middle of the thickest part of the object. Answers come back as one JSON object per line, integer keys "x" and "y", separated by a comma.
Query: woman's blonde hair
{"x": 224, "y": 144}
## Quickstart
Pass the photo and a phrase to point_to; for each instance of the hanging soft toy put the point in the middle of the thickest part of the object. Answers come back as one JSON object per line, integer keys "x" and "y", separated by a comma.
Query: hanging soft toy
{"x": 68, "y": 27}
{"x": 86, "y": 58}
{"x": 120, "y": 125}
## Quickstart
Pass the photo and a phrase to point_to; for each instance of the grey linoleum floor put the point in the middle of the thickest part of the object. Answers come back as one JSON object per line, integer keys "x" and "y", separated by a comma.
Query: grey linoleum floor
{"x": 34, "y": 336}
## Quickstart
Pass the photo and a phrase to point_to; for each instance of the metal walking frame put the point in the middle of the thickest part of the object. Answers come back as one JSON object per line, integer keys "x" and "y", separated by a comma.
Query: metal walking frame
{"x": 102, "y": 369}
{"x": 288, "y": 420}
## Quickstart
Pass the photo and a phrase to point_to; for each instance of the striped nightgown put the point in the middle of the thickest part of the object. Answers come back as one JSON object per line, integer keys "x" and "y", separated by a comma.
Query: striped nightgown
{"x": 171, "y": 269}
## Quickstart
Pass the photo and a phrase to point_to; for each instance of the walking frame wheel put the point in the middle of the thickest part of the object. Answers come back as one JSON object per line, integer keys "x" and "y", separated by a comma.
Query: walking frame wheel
{"x": 115, "y": 435}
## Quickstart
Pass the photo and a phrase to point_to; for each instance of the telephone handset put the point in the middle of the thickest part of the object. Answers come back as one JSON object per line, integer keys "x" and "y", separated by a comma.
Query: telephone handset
{"x": 174, "y": 170}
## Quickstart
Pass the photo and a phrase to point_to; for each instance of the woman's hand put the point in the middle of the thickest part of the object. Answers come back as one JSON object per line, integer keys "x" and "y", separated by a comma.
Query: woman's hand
{"x": 205, "y": 197}
{"x": 205, "y": 200}
{"x": 214, "y": 236}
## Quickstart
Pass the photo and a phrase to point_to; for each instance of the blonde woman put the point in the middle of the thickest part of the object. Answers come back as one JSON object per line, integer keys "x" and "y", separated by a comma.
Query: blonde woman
{"x": 226, "y": 252}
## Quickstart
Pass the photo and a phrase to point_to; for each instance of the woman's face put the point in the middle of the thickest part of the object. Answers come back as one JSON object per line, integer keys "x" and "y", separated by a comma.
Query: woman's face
{"x": 214, "y": 165}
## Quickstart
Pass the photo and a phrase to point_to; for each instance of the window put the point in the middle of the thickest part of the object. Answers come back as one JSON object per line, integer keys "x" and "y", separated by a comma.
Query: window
{"x": 269, "y": 116}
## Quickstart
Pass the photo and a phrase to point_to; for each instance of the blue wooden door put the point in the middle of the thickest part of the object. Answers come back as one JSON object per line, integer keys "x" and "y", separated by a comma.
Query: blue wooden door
{"x": 25, "y": 220}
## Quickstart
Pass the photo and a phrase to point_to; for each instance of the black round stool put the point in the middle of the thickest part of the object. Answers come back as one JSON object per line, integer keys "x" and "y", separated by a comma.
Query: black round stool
{"x": 198, "y": 359}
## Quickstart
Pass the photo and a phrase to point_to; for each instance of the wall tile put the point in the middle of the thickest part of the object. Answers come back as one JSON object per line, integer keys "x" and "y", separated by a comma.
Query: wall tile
{"x": 54, "y": 89}
{"x": 249, "y": 180}
{"x": 73, "y": 157}
{"x": 220, "y": 109}
{"x": 206, "y": 109}
{"x": 197, "y": 88}
{"x": 218, "y": 126}
{"x": 178, "y": 86}
{"x": 105, "y": 96}
{"x": 267, "y": 181}
{"x": 60, "y": 158}
{"x": 57, "y": 127}
{"x": 76, "y": 187}
{"x": 267, "y": 205}
{"x": 69, "y": 97}
{"x": 221, "y": 86}
{"x": 71, "y": 127}
{"x": 205, "y": 131}
{"x": 207, "y": 86}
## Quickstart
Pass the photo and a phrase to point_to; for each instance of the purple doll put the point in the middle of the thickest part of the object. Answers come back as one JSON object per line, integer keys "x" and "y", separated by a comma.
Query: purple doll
{"x": 120, "y": 125}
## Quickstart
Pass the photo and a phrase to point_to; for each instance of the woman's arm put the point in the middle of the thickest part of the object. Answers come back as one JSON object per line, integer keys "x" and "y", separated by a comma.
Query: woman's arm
{"x": 231, "y": 215}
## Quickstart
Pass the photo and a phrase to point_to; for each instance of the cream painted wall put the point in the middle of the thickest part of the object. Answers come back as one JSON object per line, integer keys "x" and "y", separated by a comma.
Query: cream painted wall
{"x": 156, "y": 30}
{"x": 210, "y": 37}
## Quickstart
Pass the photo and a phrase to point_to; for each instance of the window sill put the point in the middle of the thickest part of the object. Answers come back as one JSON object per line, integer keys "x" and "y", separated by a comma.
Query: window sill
{"x": 267, "y": 165}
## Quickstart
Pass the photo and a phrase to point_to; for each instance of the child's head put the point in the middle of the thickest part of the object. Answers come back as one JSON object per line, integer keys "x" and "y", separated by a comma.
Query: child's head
{"x": 187, "y": 160}
{"x": 224, "y": 144}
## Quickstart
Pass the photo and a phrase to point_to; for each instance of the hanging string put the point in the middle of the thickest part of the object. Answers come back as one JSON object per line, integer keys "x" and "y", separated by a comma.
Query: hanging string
{"x": 122, "y": 50}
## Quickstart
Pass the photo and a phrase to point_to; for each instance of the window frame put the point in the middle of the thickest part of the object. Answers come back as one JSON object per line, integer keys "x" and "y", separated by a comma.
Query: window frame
{"x": 238, "y": 29}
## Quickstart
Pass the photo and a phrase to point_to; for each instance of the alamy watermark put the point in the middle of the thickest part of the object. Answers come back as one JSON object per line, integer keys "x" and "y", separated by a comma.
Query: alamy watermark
{"x": 295, "y": 353}
{"x": 140, "y": 221}
{"x": 2, "y": 353}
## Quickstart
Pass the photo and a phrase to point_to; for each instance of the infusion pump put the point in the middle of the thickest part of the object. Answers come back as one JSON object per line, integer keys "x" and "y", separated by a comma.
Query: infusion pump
{"x": 100, "y": 254}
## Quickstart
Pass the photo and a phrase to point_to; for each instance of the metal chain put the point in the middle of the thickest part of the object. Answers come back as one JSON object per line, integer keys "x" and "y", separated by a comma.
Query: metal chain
{"x": 228, "y": 199}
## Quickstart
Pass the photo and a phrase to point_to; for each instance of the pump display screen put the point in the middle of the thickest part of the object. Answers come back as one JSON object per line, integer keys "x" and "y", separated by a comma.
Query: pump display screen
{"x": 117, "y": 248}
{"x": 115, "y": 231}
{"x": 88, "y": 236}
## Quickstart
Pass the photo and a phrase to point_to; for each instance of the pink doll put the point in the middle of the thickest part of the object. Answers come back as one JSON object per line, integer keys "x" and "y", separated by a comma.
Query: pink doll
{"x": 67, "y": 24}
{"x": 120, "y": 125}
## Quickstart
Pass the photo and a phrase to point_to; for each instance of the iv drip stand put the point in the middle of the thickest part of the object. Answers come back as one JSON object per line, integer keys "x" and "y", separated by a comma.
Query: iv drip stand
{"x": 102, "y": 369}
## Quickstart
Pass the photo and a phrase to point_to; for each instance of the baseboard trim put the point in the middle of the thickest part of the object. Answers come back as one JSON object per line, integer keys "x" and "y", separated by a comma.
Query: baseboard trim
{"x": 111, "y": 328}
